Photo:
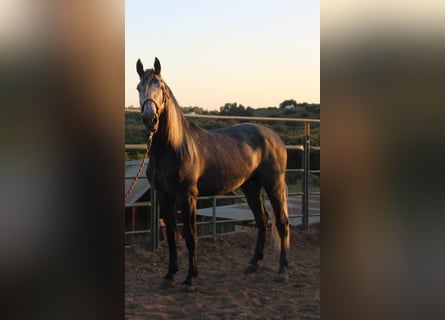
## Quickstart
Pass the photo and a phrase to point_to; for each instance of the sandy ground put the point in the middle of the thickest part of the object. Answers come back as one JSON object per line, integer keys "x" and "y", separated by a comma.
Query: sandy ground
{"x": 223, "y": 291}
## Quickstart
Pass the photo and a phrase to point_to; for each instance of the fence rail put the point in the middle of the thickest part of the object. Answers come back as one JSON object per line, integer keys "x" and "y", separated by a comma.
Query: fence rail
{"x": 305, "y": 148}
{"x": 248, "y": 118}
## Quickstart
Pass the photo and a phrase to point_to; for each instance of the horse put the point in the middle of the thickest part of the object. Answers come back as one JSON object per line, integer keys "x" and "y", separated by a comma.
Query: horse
{"x": 187, "y": 161}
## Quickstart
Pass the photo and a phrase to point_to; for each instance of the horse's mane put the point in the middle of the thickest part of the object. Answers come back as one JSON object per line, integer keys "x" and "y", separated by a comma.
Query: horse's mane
{"x": 178, "y": 127}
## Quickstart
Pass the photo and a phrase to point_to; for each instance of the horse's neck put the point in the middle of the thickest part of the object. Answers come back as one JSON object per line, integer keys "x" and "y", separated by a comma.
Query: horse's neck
{"x": 172, "y": 130}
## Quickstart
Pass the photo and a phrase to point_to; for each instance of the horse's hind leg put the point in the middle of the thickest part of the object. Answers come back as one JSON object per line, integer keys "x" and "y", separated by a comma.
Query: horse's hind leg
{"x": 277, "y": 193}
{"x": 252, "y": 190}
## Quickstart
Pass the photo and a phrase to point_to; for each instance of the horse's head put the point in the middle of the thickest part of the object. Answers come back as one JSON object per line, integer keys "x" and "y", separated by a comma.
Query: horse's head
{"x": 153, "y": 94}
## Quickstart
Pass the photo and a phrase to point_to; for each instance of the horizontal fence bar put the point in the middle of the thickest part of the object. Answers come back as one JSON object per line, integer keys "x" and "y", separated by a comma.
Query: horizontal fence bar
{"x": 295, "y": 147}
{"x": 221, "y": 197}
{"x": 287, "y": 170}
{"x": 136, "y": 146}
{"x": 296, "y": 193}
{"x": 218, "y": 197}
{"x": 217, "y": 222}
{"x": 208, "y": 116}
{"x": 137, "y": 232}
{"x": 205, "y": 116}
{"x": 139, "y": 204}
{"x": 133, "y": 110}
{"x": 144, "y": 146}
{"x": 294, "y": 170}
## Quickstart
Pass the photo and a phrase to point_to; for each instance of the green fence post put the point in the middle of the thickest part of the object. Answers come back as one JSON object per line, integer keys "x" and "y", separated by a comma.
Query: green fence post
{"x": 306, "y": 168}
{"x": 214, "y": 218}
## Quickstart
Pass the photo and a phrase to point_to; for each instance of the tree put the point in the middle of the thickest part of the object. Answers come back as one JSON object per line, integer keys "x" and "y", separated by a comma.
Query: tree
{"x": 287, "y": 102}
{"x": 195, "y": 110}
{"x": 233, "y": 109}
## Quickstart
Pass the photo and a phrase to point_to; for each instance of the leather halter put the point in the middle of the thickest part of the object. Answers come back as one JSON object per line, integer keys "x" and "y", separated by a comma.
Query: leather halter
{"x": 150, "y": 99}
{"x": 165, "y": 96}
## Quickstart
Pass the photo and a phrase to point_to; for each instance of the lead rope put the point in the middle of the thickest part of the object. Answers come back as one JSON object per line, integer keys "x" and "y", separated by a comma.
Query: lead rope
{"x": 150, "y": 138}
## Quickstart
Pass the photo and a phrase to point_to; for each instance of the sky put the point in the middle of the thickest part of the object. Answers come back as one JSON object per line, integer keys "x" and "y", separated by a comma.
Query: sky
{"x": 254, "y": 52}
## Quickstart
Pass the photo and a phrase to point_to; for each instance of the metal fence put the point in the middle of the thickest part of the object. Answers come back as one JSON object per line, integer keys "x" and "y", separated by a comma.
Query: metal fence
{"x": 305, "y": 147}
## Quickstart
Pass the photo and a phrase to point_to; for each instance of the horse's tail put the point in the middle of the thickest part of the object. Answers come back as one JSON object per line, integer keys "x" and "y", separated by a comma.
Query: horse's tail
{"x": 275, "y": 235}
{"x": 284, "y": 221}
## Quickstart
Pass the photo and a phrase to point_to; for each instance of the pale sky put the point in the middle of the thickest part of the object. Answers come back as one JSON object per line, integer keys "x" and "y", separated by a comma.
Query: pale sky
{"x": 253, "y": 52}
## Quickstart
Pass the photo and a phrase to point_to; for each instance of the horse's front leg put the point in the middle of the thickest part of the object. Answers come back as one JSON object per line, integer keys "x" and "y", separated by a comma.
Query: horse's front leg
{"x": 188, "y": 207}
{"x": 168, "y": 212}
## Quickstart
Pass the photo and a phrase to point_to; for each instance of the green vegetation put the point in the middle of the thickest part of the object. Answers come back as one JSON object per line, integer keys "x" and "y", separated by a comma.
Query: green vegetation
{"x": 134, "y": 129}
{"x": 291, "y": 132}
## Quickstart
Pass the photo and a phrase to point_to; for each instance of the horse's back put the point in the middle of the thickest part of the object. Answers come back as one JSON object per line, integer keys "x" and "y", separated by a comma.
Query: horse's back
{"x": 261, "y": 140}
{"x": 255, "y": 133}
{"x": 250, "y": 133}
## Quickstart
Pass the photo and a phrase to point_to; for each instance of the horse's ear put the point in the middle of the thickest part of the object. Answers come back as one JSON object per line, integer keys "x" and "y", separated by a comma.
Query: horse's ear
{"x": 140, "y": 68}
{"x": 157, "y": 66}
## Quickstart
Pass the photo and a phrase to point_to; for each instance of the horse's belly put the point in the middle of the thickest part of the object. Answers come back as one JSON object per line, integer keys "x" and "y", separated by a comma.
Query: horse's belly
{"x": 225, "y": 174}
{"x": 217, "y": 186}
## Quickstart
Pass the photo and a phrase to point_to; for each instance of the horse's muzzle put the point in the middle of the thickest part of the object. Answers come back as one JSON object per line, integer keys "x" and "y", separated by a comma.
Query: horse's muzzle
{"x": 150, "y": 117}
{"x": 151, "y": 122}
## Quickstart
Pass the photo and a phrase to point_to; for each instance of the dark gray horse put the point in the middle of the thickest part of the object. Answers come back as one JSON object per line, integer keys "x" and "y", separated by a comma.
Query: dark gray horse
{"x": 187, "y": 161}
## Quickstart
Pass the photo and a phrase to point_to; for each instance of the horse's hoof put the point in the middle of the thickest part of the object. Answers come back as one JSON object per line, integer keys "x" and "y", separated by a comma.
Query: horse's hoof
{"x": 282, "y": 277}
{"x": 251, "y": 268}
{"x": 188, "y": 288}
{"x": 167, "y": 283}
